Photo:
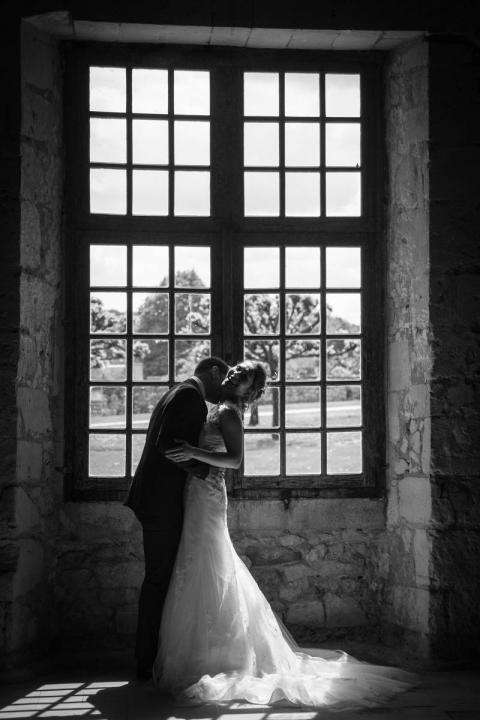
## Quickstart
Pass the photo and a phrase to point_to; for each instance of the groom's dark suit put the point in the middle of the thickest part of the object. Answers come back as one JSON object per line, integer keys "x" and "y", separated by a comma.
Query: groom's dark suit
{"x": 156, "y": 497}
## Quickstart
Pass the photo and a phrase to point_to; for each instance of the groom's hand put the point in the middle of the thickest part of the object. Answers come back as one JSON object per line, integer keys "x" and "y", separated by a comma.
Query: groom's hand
{"x": 181, "y": 452}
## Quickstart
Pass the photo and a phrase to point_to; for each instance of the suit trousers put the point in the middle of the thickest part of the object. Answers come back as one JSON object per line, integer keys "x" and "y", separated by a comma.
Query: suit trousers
{"x": 160, "y": 545}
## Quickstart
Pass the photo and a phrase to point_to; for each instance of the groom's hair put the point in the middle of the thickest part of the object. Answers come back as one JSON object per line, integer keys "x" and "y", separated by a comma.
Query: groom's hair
{"x": 210, "y": 362}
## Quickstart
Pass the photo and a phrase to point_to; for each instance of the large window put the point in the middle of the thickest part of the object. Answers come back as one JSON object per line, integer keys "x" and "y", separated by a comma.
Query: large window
{"x": 226, "y": 203}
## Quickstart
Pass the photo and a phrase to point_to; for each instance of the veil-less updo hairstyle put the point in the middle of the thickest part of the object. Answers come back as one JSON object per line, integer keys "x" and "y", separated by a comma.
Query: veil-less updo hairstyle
{"x": 258, "y": 382}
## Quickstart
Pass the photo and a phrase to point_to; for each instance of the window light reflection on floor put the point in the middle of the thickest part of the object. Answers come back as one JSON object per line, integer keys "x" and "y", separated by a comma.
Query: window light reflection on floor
{"x": 62, "y": 700}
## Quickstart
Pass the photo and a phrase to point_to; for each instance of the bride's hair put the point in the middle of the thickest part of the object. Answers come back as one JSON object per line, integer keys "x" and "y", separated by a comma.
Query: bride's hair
{"x": 256, "y": 372}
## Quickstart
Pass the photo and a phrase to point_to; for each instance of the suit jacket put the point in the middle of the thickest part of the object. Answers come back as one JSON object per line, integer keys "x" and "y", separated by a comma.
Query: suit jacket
{"x": 156, "y": 491}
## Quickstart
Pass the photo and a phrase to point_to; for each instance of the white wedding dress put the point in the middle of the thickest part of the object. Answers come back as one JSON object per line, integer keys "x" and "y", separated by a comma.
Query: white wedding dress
{"x": 220, "y": 640}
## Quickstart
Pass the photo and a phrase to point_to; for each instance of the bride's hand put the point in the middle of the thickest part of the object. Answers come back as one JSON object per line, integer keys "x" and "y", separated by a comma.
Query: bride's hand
{"x": 181, "y": 452}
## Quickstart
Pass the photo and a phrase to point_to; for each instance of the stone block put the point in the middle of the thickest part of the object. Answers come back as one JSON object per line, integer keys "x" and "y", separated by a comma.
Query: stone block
{"x": 310, "y": 613}
{"x": 34, "y": 411}
{"x": 415, "y": 499}
{"x": 120, "y": 575}
{"x": 29, "y": 460}
{"x": 126, "y": 621}
{"x": 422, "y": 550}
{"x": 325, "y": 514}
{"x": 30, "y": 568}
{"x": 267, "y": 555}
{"x": 411, "y": 607}
{"x": 343, "y": 611}
{"x": 399, "y": 371}
{"x": 27, "y": 515}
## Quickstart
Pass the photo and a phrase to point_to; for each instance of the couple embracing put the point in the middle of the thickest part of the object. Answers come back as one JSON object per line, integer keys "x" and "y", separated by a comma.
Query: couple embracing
{"x": 205, "y": 631}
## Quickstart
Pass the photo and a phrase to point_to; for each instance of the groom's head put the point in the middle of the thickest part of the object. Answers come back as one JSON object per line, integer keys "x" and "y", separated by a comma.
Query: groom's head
{"x": 212, "y": 372}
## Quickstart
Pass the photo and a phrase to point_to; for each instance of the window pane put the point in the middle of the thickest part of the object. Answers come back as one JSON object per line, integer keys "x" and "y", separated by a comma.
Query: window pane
{"x": 261, "y": 267}
{"x": 150, "y": 312}
{"x": 261, "y": 94}
{"x": 144, "y": 400}
{"x": 302, "y": 94}
{"x": 108, "y": 265}
{"x": 108, "y": 191}
{"x": 138, "y": 443}
{"x": 342, "y": 95}
{"x": 192, "y": 267}
{"x": 304, "y": 454}
{"x": 108, "y": 140}
{"x": 150, "y": 142}
{"x": 265, "y": 413}
{"x": 343, "y": 313}
{"x": 302, "y": 267}
{"x": 107, "y": 407}
{"x": 192, "y": 193}
{"x": 344, "y": 405}
{"x": 302, "y": 144}
{"x": 261, "y": 315}
{"x": 192, "y": 143}
{"x": 192, "y": 314}
{"x": 108, "y": 89}
{"x": 150, "y": 266}
{"x": 150, "y": 192}
{"x": 343, "y": 267}
{"x": 106, "y": 455}
{"x": 343, "y": 359}
{"x": 302, "y": 194}
{"x": 262, "y": 194}
{"x": 302, "y": 406}
{"x": 149, "y": 91}
{"x": 302, "y": 359}
{"x": 266, "y": 352}
{"x": 343, "y": 194}
{"x": 262, "y": 454}
{"x": 302, "y": 314}
{"x": 344, "y": 453}
{"x": 108, "y": 312}
{"x": 261, "y": 144}
{"x": 342, "y": 144}
{"x": 188, "y": 354}
{"x": 150, "y": 360}
{"x": 192, "y": 92}
{"x": 108, "y": 360}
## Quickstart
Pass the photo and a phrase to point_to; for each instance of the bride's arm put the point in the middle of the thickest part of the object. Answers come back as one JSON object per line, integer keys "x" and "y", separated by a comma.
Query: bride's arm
{"x": 232, "y": 432}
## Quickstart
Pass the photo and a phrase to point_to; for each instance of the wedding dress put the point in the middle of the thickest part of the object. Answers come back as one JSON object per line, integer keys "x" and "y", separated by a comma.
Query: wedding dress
{"x": 220, "y": 640}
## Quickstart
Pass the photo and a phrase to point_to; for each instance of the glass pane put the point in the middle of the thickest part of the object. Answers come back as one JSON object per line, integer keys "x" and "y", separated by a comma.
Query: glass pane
{"x": 261, "y": 144}
{"x": 266, "y": 352}
{"x": 302, "y": 267}
{"x": 302, "y": 194}
{"x": 342, "y": 95}
{"x": 304, "y": 454}
{"x": 302, "y": 314}
{"x": 108, "y": 191}
{"x": 149, "y": 91}
{"x": 188, "y": 354}
{"x": 192, "y": 266}
{"x": 302, "y": 360}
{"x": 302, "y": 94}
{"x": 108, "y": 360}
{"x": 344, "y": 453}
{"x": 261, "y": 94}
{"x": 107, "y": 407}
{"x": 192, "y": 193}
{"x": 343, "y": 267}
{"x": 261, "y": 315}
{"x": 106, "y": 455}
{"x": 261, "y": 267}
{"x": 108, "y": 140}
{"x": 262, "y": 194}
{"x": 302, "y": 406}
{"x": 150, "y": 360}
{"x": 138, "y": 443}
{"x": 150, "y": 266}
{"x": 108, "y": 89}
{"x": 150, "y": 312}
{"x": 262, "y": 454}
{"x": 192, "y": 92}
{"x": 108, "y": 265}
{"x": 343, "y": 313}
{"x": 150, "y": 192}
{"x": 144, "y": 400}
{"x": 150, "y": 142}
{"x": 108, "y": 312}
{"x": 192, "y": 314}
{"x": 342, "y": 144}
{"x": 343, "y": 194}
{"x": 265, "y": 413}
{"x": 343, "y": 359}
{"x": 192, "y": 143}
{"x": 302, "y": 144}
{"x": 344, "y": 405}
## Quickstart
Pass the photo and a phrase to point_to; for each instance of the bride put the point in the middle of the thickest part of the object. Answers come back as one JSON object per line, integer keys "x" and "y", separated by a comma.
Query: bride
{"x": 219, "y": 638}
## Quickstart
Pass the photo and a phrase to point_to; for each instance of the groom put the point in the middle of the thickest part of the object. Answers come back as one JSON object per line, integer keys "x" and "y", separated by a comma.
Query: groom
{"x": 156, "y": 493}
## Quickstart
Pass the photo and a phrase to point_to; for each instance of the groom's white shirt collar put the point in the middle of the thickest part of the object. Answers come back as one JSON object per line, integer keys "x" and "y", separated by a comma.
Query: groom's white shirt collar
{"x": 200, "y": 384}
